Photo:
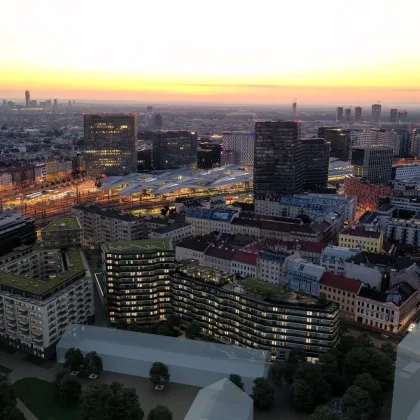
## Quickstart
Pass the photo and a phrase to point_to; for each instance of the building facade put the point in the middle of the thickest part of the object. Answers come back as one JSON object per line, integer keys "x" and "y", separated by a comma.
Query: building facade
{"x": 365, "y": 239}
{"x": 278, "y": 161}
{"x": 63, "y": 232}
{"x": 110, "y": 144}
{"x": 316, "y": 158}
{"x": 238, "y": 148}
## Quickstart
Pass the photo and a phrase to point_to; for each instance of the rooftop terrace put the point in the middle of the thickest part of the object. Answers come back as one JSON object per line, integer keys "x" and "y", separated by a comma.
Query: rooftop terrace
{"x": 138, "y": 246}
{"x": 62, "y": 223}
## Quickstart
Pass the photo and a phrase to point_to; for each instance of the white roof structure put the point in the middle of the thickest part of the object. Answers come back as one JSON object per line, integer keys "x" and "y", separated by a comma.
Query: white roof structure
{"x": 163, "y": 182}
{"x": 191, "y": 362}
{"x": 222, "y": 400}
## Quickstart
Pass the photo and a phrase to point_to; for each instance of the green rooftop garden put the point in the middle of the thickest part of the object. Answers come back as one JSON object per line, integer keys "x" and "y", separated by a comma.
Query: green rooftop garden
{"x": 62, "y": 223}
{"x": 138, "y": 246}
{"x": 265, "y": 289}
{"x": 37, "y": 286}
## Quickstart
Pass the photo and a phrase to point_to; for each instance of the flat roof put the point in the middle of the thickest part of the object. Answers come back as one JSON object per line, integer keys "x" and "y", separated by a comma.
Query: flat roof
{"x": 200, "y": 355}
{"x": 62, "y": 223}
{"x": 164, "y": 244}
{"x": 37, "y": 286}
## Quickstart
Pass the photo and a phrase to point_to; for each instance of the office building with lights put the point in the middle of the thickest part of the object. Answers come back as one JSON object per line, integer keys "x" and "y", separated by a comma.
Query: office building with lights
{"x": 340, "y": 140}
{"x": 316, "y": 158}
{"x": 278, "y": 160}
{"x": 174, "y": 149}
{"x": 110, "y": 144}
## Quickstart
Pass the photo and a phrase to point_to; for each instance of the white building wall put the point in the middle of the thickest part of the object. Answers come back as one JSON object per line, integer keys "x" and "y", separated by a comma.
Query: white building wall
{"x": 182, "y": 253}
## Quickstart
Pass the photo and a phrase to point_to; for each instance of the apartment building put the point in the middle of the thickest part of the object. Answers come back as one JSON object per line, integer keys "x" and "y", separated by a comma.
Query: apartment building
{"x": 191, "y": 249}
{"x": 42, "y": 291}
{"x": 219, "y": 258}
{"x": 270, "y": 266}
{"x": 355, "y": 237}
{"x": 341, "y": 290}
{"x": 102, "y": 225}
{"x": 404, "y": 231}
{"x": 175, "y": 231}
{"x": 333, "y": 258}
{"x": 63, "y": 232}
{"x": 244, "y": 264}
{"x": 210, "y": 220}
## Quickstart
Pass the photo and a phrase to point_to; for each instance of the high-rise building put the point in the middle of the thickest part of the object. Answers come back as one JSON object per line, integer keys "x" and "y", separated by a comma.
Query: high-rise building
{"x": 373, "y": 163}
{"x": 27, "y": 98}
{"x": 340, "y": 114}
{"x": 393, "y": 115}
{"x": 358, "y": 114}
{"x": 55, "y": 103}
{"x": 402, "y": 116}
{"x": 69, "y": 104}
{"x": 137, "y": 279}
{"x": 238, "y": 148}
{"x": 110, "y": 144}
{"x": 415, "y": 142}
{"x": 316, "y": 157}
{"x": 294, "y": 106}
{"x": 376, "y": 114}
{"x": 340, "y": 141}
{"x": 174, "y": 149}
{"x": 278, "y": 164}
{"x": 33, "y": 103}
{"x": 157, "y": 122}
{"x": 321, "y": 131}
{"x": 209, "y": 155}
{"x": 4, "y": 101}
{"x": 347, "y": 115}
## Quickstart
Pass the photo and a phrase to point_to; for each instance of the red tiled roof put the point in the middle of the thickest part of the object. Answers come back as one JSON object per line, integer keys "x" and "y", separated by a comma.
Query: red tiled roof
{"x": 340, "y": 282}
{"x": 246, "y": 257}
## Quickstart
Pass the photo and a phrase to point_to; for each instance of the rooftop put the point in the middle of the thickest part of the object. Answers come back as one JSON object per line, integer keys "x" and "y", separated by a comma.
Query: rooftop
{"x": 138, "y": 246}
{"x": 62, "y": 223}
{"x": 361, "y": 233}
{"x": 106, "y": 212}
{"x": 340, "y": 282}
{"x": 171, "y": 227}
{"x": 397, "y": 295}
{"x": 246, "y": 257}
{"x": 382, "y": 260}
{"x": 194, "y": 244}
{"x": 37, "y": 286}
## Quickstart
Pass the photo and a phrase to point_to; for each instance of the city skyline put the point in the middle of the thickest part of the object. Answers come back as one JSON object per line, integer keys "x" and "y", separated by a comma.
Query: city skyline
{"x": 258, "y": 58}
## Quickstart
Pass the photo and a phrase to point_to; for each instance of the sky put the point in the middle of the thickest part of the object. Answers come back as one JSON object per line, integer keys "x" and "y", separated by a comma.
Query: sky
{"x": 228, "y": 51}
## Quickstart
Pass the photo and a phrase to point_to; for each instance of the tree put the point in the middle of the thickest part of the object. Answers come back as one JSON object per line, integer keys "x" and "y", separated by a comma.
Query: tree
{"x": 302, "y": 395}
{"x": 331, "y": 372}
{"x": 237, "y": 380}
{"x": 11, "y": 413}
{"x": 110, "y": 402}
{"x": 70, "y": 390}
{"x": 389, "y": 350}
{"x": 193, "y": 330}
{"x": 173, "y": 321}
{"x": 93, "y": 363}
{"x": 59, "y": 379}
{"x": 263, "y": 393}
{"x": 354, "y": 362}
{"x": 370, "y": 385}
{"x": 7, "y": 395}
{"x": 73, "y": 359}
{"x": 160, "y": 412}
{"x": 159, "y": 373}
{"x": 322, "y": 412}
{"x": 356, "y": 404}
{"x": 380, "y": 367}
{"x": 121, "y": 324}
{"x": 164, "y": 330}
{"x": 276, "y": 373}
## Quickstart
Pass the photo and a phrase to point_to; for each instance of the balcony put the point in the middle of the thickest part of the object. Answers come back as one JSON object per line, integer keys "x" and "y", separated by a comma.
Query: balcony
{"x": 12, "y": 324}
{"x": 24, "y": 329}
{"x": 22, "y": 310}
{"x": 37, "y": 338}
{"x": 23, "y": 322}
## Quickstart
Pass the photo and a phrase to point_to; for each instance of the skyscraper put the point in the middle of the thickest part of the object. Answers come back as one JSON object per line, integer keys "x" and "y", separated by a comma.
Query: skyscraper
{"x": 340, "y": 141}
{"x": 174, "y": 149}
{"x": 294, "y": 105}
{"x": 316, "y": 157}
{"x": 347, "y": 114}
{"x": 358, "y": 114}
{"x": 340, "y": 115}
{"x": 238, "y": 148}
{"x": 27, "y": 98}
{"x": 376, "y": 114}
{"x": 402, "y": 116}
{"x": 157, "y": 122}
{"x": 110, "y": 144}
{"x": 393, "y": 115}
{"x": 373, "y": 163}
{"x": 415, "y": 142}
{"x": 278, "y": 165}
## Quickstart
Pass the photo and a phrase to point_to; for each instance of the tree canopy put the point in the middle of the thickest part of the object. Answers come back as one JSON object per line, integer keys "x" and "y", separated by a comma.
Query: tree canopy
{"x": 322, "y": 412}
{"x": 73, "y": 359}
{"x": 8, "y": 409}
{"x": 237, "y": 380}
{"x": 356, "y": 404}
{"x": 193, "y": 330}
{"x": 160, "y": 412}
{"x": 70, "y": 390}
{"x": 159, "y": 373}
{"x": 263, "y": 393}
{"x": 93, "y": 363}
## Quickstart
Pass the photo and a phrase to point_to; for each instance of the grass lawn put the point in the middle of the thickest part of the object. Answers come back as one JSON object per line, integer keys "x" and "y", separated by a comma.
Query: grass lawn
{"x": 4, "y": 369}
{"x": 41, "y": 398}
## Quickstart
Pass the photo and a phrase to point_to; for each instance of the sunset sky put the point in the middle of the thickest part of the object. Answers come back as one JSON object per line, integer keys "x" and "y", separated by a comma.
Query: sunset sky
{"x": 266, "y": 51}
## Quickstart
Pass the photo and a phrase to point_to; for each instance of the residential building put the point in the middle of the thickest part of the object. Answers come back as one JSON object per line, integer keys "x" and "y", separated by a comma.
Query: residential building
{"x": 302, "y": 276}
{"x": 255, "y": 314}
{"x": 358, "y": 114}
{"x": 221, "y": 400}
{"x": 278, "y": 161}
{"x": 373, "y": 163}
{"x": 175, "y": 231}
{"x": 404, "y": 231}
{"x": 316, "y": 157}
{"x": 313, "y": 205}
{"x": 102, "y": 225}
{"x": 375, "y": 114}
{"x": 42, "y": 291}
{"x": 333, "y": 258}
{"x": 190, "y": 362}
{"x": 110, "y": 144}
{"x": 15, "y": 230}
{"x": 219, "y": 258}
{"x": 137, "y": 279}
{"x": 340, "y": 114}
{"x": 63, "y": 232}
{"x": 415, "y": 142}
{"x": 343, "y": 291}
{"x": 393, "y": 115}
{"x": 238, "y": 148}
{"x": 367, "y": 194}
{"x": 191, "y": 249}
{"x": 6, "y": 183}
{"x": 389, "y": 310}
{"x": 174, "y": 149}
{"x": 270, "y": 266}
{"x": 355, "y": 237}
{"x": 405, "y": 172}
{"x": 244, "y": 264}
{"x": 209, "y": 220}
